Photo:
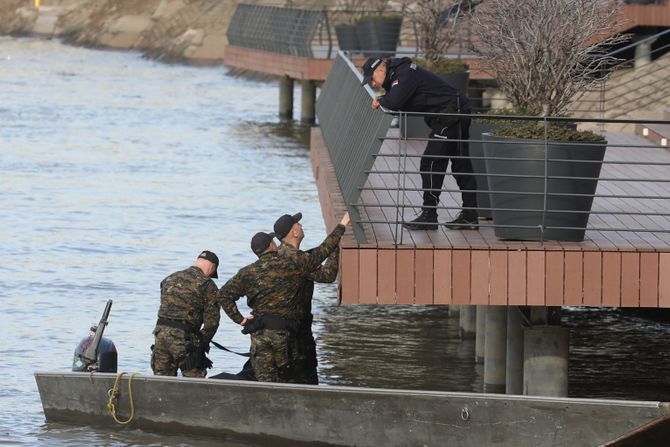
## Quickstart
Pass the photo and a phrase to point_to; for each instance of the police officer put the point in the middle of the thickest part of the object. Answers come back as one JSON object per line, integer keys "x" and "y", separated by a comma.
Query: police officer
{"x": 413, "y": 89}
{"x": 289, "y": 231}
{"x": 188, "y": 318}
{"x": 271, "y": 285}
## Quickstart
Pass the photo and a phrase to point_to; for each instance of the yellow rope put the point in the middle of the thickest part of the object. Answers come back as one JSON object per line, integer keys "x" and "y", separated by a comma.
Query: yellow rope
{"x": 114, "y": 394}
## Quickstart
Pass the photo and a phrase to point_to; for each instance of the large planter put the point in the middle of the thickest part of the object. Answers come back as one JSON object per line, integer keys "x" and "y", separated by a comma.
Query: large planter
{"x": 517, "y": 186}
{"x": 415, "y": 126}
{"x": 476, "y": 148}
{"x": 379, "y": 36}
{"x": 347, "y": 37}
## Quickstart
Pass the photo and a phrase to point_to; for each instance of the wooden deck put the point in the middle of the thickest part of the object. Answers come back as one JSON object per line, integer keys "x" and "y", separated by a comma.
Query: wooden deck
{"x": 609, "y": 268}
{"x": 302, "y": 68}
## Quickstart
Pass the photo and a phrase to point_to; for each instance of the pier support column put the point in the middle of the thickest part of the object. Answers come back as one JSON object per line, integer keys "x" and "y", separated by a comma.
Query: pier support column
{"x": 454, "y": 310}
{"x": 643, "y": 54}
{"x": 545, "y": 365}
{"x": 307, "y": 102}
{"x": 285, "y": 97}
{"x": 481, "y": 334}
{"x": 495, "y": 349}
{"x": 467, "y": 323}
{"x": 514, "y": 376}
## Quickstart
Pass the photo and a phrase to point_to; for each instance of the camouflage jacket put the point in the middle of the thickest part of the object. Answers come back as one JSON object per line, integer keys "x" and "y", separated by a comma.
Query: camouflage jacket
{"x": 190, "y": 296}
{"x": 271, "y": 284}
{"x": 324, "y": 273}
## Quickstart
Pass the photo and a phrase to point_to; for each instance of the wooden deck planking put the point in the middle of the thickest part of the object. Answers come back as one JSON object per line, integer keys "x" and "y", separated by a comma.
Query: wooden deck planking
{"x": 573, "y": 278}
{"x": 611, "y": 279}
{"x": 664, "y": 280}
{"x": 442, "y": 276}
{"x": 386, "y": 268}
{"x": 609, "y": 268}
{"x": 498, "y": 278}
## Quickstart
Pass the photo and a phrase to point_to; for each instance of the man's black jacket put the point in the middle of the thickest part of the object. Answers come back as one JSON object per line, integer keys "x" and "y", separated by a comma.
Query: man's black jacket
{"x": 412, "y": 89}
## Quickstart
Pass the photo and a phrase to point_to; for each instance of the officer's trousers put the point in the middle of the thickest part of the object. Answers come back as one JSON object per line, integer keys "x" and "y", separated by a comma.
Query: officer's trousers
{"x": 436, "y": 158}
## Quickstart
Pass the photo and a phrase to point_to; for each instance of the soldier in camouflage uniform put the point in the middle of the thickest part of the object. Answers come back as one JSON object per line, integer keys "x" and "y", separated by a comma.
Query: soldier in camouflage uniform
{"x": 289, "y": 230}
{"x": 271, "y": 285}
{"x": 188, "y": 318}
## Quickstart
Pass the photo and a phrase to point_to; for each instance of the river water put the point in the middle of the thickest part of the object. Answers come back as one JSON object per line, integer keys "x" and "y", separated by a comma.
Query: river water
{"x": 116, "y": 171}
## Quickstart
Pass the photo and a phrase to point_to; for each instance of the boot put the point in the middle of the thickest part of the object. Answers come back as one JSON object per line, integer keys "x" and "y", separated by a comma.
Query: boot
{"x": 466, "y": 220}
{"x": 427, "y": 220}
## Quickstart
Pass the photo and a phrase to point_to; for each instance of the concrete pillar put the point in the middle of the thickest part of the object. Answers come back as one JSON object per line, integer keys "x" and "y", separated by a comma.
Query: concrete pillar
{"x": 454, "y": 311}
{"x": 643, "y": 54}
{"x": 307, "y": 102}
{"x": 495, "y": 349}
{"x": 467, "y": 322}
{"x": 285, "y": 98}
{"x": 539, "y": 315}
{"x": 481, "y": 334}
{"x": 514, "y": 375}
{"x": 545, "y": 364}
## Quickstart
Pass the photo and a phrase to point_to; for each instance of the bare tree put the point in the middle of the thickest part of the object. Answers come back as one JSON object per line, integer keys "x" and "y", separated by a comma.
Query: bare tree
{"x": 547, "y": 53}
{"x": 437, "y": 23}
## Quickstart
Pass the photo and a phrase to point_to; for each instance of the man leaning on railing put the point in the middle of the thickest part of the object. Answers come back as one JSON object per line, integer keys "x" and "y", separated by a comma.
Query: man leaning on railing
{"x": 413, "y": 89}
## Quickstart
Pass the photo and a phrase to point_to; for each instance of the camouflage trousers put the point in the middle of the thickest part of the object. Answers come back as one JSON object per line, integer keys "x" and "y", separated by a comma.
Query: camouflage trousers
{"x": 170, "y": 349}
{"x": 273, "y": 355}
{"x": 304, "y": 370}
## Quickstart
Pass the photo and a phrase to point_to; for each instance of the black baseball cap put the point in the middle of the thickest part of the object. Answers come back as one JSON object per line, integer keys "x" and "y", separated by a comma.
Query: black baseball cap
{"x": 369, "y": 67}
{"x": 284, "y": 224}
{"x": 211, "y": 257}
{"x": 260, "y": 242}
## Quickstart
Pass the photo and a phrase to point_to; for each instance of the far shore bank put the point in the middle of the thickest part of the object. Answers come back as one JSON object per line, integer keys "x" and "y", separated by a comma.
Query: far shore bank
{"x": 172, "y": 31}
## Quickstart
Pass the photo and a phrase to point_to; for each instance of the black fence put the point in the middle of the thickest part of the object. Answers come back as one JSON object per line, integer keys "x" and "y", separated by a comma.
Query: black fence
{"x": 274, "y": 29}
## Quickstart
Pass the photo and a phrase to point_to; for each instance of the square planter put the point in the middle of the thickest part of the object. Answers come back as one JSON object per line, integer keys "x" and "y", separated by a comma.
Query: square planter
{"x": 517, "y": 186}
{"x": 379, "y": 36}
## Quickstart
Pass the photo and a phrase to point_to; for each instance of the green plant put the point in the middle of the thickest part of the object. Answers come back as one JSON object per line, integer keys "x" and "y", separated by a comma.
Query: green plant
{"x": 444, "y": 65}
{"x": 381, "y": 17}
{"x": 553, "y": 132}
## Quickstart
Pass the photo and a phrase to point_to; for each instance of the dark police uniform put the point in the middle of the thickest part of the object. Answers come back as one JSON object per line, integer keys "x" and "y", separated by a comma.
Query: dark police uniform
{"x": 272, "y": 285}
{"x": 188, "y": 301}
{"x": 413, "y": 89}
{"x": 305, "y": 368}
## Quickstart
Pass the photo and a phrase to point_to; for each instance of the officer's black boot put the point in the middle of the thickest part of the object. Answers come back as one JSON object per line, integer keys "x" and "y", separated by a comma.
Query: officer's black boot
{"x": 466, "y": 220}
{"x": 427, "y": 220}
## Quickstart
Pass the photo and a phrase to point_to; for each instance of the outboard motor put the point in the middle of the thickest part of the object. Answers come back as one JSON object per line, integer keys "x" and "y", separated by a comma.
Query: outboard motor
{"x": 95, "y": 352}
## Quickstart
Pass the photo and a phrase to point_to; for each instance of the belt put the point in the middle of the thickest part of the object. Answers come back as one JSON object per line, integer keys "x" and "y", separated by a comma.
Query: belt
{"x": 278, "y": 323}
{"x": 177, "y": 324}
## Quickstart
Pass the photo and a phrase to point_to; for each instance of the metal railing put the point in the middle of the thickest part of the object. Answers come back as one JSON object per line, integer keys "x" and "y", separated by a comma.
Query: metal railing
{"x": 274, "y": 29}
{"x": 618, "y": 97}
{"x": 622, "y": 186}
{"x": 353, "y": 134}
{"x": 320, "y": 33}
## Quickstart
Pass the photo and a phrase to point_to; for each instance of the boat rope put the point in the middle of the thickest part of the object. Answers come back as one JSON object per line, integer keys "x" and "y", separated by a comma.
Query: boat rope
{"x": 114, "y": 394}
{"x": 223, "y": 348}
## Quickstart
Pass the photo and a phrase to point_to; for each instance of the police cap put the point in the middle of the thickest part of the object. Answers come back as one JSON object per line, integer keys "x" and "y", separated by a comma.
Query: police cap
{"x": 369, "y": 67}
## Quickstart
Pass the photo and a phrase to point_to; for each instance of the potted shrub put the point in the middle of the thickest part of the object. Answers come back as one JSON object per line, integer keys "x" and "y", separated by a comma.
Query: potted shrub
{"x": 436, "y": 24}
{"x": 544, "y": 56}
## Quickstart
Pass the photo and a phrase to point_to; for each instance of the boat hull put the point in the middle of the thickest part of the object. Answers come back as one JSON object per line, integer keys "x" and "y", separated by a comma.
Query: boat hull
{"x": 290, "y": 414}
